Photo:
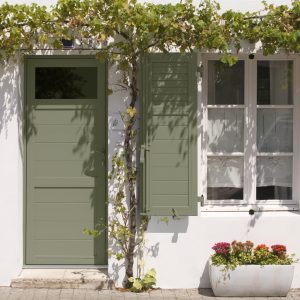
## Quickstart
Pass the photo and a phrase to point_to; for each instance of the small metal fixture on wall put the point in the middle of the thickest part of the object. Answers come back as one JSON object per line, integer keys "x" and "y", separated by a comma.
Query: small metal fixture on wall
{"x": 68, "y": 44}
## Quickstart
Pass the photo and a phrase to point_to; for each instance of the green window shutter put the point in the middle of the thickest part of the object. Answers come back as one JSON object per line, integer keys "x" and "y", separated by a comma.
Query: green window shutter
{"x": 168, "y": 157}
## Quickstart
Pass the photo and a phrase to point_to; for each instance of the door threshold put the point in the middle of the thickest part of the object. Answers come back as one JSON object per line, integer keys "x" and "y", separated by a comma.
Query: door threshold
{"x": 78, "y": 277}
{"x": 65, "y": 267}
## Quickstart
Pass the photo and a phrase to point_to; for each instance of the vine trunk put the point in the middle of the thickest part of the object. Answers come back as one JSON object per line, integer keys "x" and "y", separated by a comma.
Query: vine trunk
{"x": 131, "y": 177}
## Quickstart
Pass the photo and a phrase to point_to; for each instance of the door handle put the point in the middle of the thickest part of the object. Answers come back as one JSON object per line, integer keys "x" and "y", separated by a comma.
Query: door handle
{"x": 143, "y": 151}
{"x": 142, "y": 154}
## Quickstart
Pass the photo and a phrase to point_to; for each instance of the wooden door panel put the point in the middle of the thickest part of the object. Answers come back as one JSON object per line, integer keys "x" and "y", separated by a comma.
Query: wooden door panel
{"x": 66, "y": 166}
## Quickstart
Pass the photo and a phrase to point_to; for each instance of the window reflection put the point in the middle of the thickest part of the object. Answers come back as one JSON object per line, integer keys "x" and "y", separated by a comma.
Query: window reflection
{"x": 66, "y": 83}
{"x": 225, "y": 130}
{"x": 225, "y": 83}
{"x": 274, "y": 82}
{"x": 225, "y": 178}
{"x": 275, "y": 130}
{"x": 274, "y": 178}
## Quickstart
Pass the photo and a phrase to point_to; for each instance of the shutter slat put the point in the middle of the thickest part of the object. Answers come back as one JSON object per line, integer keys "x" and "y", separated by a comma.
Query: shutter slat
{"x": 168, "y": 173}
{"x": 169, "y": 109}
{"x": 168, "y": 76}
{"x": 169, "y": 91}
{"x": 168, "y": 98}
{"x": 169, "y": 83}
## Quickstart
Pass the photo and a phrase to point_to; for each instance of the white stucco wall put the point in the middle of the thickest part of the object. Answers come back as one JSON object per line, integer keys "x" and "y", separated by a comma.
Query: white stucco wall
{"x": 178, "y": 250}
{"x": 11, "y": 177}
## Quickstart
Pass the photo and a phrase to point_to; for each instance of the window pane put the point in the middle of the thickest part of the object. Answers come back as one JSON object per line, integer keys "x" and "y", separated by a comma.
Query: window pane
{"x": 275, "y": 130}
{"x": 225, "y": 176}
{"x": 274, "y": 82}
{"x": 225, "y": 130}
{"x": 274, "y": 178}
{"x": 225, "y": 83}
{"x": 66, "y": 83}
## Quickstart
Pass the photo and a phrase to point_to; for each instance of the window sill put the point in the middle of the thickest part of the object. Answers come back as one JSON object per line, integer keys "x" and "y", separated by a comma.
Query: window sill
{"x": 246, "y": 208}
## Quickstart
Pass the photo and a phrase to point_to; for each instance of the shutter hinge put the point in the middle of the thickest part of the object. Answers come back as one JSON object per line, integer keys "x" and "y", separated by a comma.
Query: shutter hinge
{"x": 174, "y": 213}
{"x": 144, "y": 213}
{"x": 201, "y": 200}
{"x": 200, "y": 70}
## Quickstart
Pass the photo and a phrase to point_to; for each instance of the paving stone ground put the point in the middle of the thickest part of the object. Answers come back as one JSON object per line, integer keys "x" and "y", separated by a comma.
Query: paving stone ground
{"x": 7, "y": 293}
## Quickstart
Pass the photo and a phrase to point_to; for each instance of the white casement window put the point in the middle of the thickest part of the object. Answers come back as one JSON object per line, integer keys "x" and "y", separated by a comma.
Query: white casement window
{"x": 249, "y": 146}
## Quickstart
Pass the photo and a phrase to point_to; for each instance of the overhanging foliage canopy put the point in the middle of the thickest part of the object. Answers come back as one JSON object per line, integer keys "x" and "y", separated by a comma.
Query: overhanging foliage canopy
{"x": 127, "y": 27}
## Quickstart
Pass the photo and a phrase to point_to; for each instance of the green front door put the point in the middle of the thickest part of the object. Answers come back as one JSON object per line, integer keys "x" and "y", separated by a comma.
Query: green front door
{"x": 66, "y": 160}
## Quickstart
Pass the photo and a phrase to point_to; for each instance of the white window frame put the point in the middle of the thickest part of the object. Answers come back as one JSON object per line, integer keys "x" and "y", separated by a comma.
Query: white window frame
{"x": 250, "y": 121}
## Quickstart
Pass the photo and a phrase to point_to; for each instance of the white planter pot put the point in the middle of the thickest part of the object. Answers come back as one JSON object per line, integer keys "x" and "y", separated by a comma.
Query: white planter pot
{"x": 251, "y": 280}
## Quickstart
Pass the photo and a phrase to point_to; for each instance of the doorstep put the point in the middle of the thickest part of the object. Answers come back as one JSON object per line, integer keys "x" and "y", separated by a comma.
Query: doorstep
{"x": 63, "y": 279}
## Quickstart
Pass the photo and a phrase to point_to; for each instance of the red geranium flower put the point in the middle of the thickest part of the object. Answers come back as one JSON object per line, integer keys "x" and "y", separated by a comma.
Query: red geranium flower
{"x": 261, "y": 247}
{"x": 222, "y": 248}
{"x": 279, "y": 248}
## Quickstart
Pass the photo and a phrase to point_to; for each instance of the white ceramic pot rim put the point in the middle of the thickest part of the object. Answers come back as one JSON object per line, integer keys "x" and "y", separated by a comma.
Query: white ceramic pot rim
{"x": 251, "y": 280}
{"x": 249, "y": 265}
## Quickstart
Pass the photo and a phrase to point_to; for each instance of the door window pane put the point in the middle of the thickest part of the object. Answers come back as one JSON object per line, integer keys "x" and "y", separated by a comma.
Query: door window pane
{"x": 225, "y": 176}
{"x": 274, "y": 178}
{"x": 66, "y": 83}
{"x": 274, "y": 82}
{"x": 225, "y": 130}
{"x": 275, "y": 130}
{"x": 225, "y": 83}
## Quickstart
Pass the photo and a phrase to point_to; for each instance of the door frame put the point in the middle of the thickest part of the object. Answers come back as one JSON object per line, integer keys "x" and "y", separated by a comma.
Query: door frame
{"x": 28, "y": 58}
